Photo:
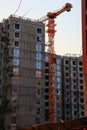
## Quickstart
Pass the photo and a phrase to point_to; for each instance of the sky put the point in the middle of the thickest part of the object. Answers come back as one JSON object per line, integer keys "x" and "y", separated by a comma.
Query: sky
{"x": 68, "y": 37}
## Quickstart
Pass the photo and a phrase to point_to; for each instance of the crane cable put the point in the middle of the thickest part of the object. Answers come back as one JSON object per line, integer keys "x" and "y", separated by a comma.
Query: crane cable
{"x": 18, "y": 7}
{"x": 26, "y": 13}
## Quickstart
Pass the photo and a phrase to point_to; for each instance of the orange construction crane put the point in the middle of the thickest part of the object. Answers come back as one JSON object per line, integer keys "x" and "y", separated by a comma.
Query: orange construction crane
{"x": 51, "y": 33}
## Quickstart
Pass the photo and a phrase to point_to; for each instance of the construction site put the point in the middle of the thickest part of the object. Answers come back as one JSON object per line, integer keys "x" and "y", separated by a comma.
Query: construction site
{"x": 41, "y": 90}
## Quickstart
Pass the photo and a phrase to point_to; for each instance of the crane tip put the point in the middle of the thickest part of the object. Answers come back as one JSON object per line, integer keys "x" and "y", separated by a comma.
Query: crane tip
{"x": 68, "y": 6}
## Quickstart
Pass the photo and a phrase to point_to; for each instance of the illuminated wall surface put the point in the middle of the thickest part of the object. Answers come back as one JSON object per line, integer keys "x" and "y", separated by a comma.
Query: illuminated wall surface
{"x": 84, "y": 49}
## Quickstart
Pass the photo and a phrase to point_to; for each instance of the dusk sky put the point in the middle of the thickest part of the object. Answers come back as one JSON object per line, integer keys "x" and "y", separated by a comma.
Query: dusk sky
{"x": 68, "y": 35}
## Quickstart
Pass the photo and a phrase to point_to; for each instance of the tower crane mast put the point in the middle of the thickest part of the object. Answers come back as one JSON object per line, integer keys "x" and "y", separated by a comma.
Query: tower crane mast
{"x": 50, "y": 17}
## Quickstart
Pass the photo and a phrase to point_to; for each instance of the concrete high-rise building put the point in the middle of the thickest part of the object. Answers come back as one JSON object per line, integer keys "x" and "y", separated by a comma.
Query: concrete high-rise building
{"x": 26, "y": 60}
{"x": 72, "y": 86}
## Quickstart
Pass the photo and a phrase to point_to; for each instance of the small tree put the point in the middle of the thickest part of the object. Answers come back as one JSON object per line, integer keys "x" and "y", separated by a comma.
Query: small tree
{"x": 5, "y": 109}
{"x": 5, "y": 106}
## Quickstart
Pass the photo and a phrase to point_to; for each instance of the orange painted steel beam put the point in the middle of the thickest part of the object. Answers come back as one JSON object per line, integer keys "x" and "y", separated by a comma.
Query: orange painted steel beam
{"x": 84, "y": 51}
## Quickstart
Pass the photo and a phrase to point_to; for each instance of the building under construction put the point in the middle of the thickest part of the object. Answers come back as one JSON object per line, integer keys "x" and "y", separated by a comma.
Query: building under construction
{"x": 72, "y": 87}
{"x": 24, "y": 57}
{"x": 25, "y": 76}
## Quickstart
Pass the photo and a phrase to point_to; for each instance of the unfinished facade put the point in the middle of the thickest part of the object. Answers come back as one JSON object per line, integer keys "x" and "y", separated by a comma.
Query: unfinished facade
{"x": 72, "y": 89}
{"x": 26, "y": 60}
